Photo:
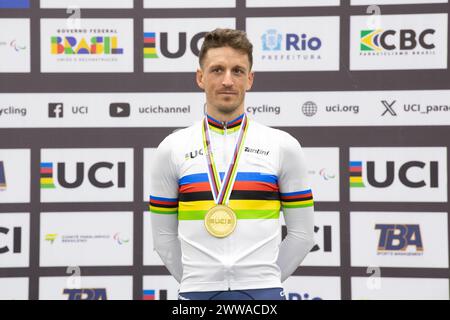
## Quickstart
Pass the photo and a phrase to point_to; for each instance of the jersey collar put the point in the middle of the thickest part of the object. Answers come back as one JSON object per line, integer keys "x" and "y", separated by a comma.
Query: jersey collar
{"x": 220, "y": 126}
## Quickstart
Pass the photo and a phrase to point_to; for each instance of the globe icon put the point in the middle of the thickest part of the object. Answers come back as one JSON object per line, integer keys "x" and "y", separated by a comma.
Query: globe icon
{"x": 309, "y": 109}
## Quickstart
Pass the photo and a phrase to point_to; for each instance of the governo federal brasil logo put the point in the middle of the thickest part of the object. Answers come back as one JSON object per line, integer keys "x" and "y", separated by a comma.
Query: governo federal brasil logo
{"x": 79, "y": 45}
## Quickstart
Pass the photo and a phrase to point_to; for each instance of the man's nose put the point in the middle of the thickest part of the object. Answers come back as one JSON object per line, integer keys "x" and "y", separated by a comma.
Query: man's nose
{"x": 227, "y": 79}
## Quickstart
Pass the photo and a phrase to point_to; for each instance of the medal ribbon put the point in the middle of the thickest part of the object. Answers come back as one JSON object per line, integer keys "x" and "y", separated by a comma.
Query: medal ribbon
{"x": 222, "y": 190}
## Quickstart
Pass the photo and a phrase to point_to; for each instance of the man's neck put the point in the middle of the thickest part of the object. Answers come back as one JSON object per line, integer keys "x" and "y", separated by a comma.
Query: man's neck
{"x": 225, "y": 117}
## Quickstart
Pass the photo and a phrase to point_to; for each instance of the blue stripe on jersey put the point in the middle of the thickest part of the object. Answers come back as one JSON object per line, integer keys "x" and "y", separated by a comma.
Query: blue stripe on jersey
{"x": 241, "y": 176}
{"x": 297, "y": 193}
{"x": 163, "y": 199}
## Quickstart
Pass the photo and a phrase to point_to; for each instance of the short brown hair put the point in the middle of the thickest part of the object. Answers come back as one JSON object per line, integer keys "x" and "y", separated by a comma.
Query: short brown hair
{"x": 218, "y": 38}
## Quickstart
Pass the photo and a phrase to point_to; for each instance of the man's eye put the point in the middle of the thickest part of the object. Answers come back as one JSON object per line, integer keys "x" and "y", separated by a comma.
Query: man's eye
{"x": 238, "y": 71}
{"x": 216, "y": 70}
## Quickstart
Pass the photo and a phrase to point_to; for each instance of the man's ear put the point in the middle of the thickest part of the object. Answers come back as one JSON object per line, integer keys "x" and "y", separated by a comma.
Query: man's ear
{"x": 199, "y": 78}
{"x": 251, "y": 77}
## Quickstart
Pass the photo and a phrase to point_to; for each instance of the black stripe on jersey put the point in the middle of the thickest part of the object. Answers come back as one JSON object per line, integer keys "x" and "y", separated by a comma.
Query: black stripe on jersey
{"x": 218, "y": 126}
{"x": 296, "y": 199}
{"x": 163, "y": 205}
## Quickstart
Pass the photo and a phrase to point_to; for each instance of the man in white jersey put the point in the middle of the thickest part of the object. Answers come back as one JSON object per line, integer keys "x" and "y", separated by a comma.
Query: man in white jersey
{"x": 217, "y": 189}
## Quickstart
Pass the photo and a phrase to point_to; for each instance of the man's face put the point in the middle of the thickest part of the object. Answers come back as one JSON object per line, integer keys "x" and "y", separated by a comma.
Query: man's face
{"x": 225, "y": 76}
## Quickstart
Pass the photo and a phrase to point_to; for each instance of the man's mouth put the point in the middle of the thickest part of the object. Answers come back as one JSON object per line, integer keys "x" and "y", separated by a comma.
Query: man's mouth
{"x": 228, "y": 92}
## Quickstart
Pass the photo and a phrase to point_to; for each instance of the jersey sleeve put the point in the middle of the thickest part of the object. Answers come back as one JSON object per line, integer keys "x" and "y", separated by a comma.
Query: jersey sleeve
{"x": 164, "y": 208}
{"x": 297, "y": 204}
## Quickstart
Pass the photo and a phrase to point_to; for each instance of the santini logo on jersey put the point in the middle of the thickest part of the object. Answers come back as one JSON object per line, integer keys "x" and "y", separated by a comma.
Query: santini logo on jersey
{"x": 257, "y": 151}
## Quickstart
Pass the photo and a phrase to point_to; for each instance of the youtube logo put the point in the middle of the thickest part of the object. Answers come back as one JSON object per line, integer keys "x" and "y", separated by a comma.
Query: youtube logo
{"x": 119, "y": 110}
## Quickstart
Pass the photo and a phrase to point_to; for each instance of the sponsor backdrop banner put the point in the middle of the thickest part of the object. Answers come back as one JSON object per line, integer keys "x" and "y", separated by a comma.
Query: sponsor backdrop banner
{"x": 89, "y": 88}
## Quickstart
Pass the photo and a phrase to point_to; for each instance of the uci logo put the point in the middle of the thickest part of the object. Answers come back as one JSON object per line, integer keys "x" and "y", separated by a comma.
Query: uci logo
{"x": 193, "y": 154}
{"x": 151, "y": 38}
{"x": 82, "y": 172}
{"x": 430, "y": 169}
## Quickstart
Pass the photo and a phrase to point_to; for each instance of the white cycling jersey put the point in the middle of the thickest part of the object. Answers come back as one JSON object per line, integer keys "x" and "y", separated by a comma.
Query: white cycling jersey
{"x": 272, "y": 174}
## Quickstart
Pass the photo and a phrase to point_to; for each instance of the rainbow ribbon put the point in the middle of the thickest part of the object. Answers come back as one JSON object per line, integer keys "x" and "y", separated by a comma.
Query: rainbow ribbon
{"x": 222, "y": 190}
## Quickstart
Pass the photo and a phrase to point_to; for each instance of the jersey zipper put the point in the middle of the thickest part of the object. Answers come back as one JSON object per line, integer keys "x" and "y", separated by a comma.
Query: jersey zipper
{"x": 224, "y": 142}
{"x": 225, "y": 163}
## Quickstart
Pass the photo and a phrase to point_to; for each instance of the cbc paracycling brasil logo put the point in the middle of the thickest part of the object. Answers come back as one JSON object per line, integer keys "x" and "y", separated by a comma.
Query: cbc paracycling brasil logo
{"x": 399, "y": 42}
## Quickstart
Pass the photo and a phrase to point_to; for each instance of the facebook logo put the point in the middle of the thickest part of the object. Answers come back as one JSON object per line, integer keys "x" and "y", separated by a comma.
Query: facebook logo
{"x": 55, "y": 110}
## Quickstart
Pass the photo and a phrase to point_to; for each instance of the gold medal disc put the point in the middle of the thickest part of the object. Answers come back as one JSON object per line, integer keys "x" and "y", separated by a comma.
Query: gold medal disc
{"x": 220, "y": 221}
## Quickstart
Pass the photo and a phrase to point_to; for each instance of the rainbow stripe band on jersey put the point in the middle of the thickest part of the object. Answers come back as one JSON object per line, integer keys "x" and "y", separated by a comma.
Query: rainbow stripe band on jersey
{"x": 299, "y": 199}
{"x": 163, "y": 205}
{"x": 255, "y": 196}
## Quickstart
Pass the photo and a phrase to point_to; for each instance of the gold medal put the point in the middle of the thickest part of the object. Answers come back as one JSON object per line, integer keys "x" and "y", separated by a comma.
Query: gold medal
{"x": 220, "y": 221}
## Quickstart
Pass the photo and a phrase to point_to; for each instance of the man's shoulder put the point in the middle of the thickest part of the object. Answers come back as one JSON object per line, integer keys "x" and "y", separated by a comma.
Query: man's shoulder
{"x": 273, "y": 133}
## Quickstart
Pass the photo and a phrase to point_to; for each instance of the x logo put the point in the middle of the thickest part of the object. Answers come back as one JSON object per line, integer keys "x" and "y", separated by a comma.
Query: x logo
{"x": 389, "y": 107}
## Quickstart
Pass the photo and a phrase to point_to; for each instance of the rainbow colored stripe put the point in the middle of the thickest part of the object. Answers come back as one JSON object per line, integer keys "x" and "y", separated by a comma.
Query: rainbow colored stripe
{"x": 255, "y": 196}
{"x": 46, "y": 173}
{"x": 299, "y": 199}
{"x": 150, "y": 45}
{"x": 355, "y": 169}
{"x": 218, "y": 127}
{"x": 163, "y": 205}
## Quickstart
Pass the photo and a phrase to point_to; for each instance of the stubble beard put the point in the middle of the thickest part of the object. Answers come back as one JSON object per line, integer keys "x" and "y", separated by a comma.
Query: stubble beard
{"x": 228, "y": 109}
